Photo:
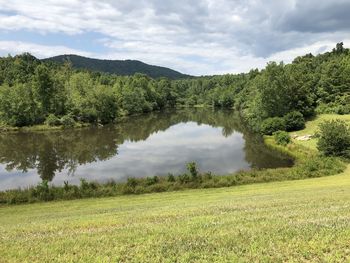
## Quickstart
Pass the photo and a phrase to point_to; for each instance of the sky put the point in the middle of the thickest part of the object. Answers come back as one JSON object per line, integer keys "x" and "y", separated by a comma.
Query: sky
{"x": 197, "y": 37}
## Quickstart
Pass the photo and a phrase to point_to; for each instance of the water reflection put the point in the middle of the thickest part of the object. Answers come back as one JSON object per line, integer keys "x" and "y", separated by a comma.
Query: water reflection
{"x": 146, "y": 145}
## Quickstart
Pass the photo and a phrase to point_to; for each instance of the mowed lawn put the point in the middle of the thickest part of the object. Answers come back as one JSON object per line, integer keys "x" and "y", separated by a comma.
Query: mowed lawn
{"x": 291, "y": 221}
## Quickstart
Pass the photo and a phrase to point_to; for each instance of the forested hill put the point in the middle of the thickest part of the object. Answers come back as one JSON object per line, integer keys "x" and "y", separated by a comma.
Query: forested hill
{"x": 276, "y": 98}
{"x": 118, "y": 67}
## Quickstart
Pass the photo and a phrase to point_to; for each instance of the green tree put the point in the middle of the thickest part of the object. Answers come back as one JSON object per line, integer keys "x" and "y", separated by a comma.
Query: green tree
{"x": 274, "y": 89}
{"x": 44, "y": 88}
{"x": 105, "y": 103}
{"x": 271, "y": 125}
{"x": 334, "y": 138}
{"x": 18, "y": 106}
{"x": 294, "y": 121}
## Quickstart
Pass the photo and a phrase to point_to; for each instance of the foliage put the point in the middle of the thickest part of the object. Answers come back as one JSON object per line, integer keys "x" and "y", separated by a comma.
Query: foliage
{"x": 171, "y": 178}
{"x": 67, "y": 121}
{"x": 334, "y": 138}
{"x": 294, "y": 121}
{"x": 192, "y": 168}
{"x": 42, "y": 191}
{"x": 52, "y": 120}
{"x": 271, "y": 125}
{"x": 18, "y": 106}
{"x": 282, "y": 138}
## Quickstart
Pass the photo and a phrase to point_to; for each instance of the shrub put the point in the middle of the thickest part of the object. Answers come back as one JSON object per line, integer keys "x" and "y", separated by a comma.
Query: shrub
{"x": 271, "y": 125}
{"x": 52, "y": 120}
{"x": 342, "y": 109}
{"x": 294, "y": 121}
{"x": 68, "y": 121}
{"x": 184, "y": 178}
{"x": 42, "y": 191}
{"x": 192, "y": 168}
{"x": 131, "y": 182}
{"x": 84, "y": 185}
{"x": 334, "y": 138}
{"x": 282, "y": 137}
{"x": 208, "y": 176}
{"x": 171, "y": 178}
{"x": 152, "y": 180}
{"x": 66, "y": 186}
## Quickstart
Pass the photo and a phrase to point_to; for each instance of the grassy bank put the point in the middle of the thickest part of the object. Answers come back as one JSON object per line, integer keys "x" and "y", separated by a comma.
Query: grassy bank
{"x": 314, "y": 167}
{"x": 294, "y": 221}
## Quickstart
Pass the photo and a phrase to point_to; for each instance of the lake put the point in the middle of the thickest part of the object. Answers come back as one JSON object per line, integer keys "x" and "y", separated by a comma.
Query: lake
{"x": 147, "y": 145}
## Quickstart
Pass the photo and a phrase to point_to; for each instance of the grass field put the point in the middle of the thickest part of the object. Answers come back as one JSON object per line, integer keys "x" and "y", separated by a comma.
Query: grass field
{"x": 290, "y": 221}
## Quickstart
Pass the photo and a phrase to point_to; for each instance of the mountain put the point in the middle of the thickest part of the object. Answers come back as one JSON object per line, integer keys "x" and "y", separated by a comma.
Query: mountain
{"x": 119, "y": 67}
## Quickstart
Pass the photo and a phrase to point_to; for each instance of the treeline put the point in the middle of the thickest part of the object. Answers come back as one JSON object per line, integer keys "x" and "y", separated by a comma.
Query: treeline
{"x": 34, "y": 92}
{"x": 278, "y": 97}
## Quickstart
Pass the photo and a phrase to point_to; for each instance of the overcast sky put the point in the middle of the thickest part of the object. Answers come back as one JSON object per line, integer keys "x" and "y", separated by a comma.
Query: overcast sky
{"x": 197, "y": 37}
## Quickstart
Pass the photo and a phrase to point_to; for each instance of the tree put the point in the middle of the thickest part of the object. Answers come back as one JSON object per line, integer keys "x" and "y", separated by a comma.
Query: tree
{"x": 192, "y": 168}
{"x": 271, "y": 125}
{"x": 18, "y": 106}
{"x": 334, "y": 138}
{"x": 339, "y": 48}
{"x": 274, "y": 89}
{"x": 44, "y": 88}
{"x": 105, "y": 103}
{"x": 294, "y": 121}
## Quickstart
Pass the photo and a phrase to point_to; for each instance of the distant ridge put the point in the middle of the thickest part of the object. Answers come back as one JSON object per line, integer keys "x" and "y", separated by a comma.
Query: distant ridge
{"x": 119, "y": 67}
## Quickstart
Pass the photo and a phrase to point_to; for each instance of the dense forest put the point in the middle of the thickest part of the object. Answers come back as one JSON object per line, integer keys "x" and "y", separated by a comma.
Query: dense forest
{"x": 278, "y": 97}
{"x": 118, "y": 67}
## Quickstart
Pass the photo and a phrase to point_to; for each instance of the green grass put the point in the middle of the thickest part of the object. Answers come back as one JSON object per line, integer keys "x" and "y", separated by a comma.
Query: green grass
{"x": 306, "y": 220}
{"x": 291, "y": 221}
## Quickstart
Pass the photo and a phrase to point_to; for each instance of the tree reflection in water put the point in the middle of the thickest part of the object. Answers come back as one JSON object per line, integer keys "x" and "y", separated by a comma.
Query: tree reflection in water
{"x": 54, "y": 151}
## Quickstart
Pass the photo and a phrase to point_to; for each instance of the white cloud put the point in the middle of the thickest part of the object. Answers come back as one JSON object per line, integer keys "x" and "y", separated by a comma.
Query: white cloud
{"x": 315, "y": 48}
{"x": 196, "y": 37}
{"x": 41, "y": 51}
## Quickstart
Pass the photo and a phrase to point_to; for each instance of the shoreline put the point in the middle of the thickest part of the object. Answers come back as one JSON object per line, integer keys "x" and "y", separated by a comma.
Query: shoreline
{"x": 307, "y": 164}
{"x": 45, "y": 127}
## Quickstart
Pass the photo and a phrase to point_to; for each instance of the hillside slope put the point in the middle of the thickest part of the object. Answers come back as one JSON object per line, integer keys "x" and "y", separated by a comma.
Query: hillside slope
{"x": 295, "y": 221}
{"x": 119, "y": 67}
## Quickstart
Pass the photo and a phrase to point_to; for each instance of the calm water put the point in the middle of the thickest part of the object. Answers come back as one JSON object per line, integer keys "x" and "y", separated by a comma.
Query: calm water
{"x": 152, "y": 144}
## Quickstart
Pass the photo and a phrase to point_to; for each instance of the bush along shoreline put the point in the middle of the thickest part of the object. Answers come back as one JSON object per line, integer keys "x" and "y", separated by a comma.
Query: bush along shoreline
{"x": 313, "y": 166}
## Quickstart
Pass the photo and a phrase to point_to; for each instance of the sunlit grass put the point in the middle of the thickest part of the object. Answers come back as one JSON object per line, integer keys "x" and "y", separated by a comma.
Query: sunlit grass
{"x": 287, "y": 221}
